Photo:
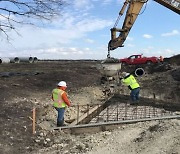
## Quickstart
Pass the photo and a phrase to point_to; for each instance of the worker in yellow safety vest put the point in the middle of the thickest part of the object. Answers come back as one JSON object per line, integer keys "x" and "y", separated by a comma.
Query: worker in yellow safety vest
{"x": 130, "y": 81}
{"x": 60, "y": 101}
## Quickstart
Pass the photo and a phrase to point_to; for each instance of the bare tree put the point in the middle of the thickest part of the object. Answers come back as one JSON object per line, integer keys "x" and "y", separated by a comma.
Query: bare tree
{"x": 13, "y": 12}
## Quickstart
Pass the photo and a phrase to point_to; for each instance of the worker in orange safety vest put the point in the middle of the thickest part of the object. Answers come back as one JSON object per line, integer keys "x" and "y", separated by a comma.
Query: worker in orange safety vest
{"x": 60, "y": 101}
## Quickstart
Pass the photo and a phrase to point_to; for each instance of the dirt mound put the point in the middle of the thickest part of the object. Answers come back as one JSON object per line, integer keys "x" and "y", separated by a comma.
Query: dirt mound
{"x": 150, "y": 137}
{"x": 176, "y": 74}
{"x": 175, "y": 60}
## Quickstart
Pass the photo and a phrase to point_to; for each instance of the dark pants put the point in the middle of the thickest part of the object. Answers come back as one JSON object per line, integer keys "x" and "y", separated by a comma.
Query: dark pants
{"x": 60, "y": 117}
{"x": 135, "y": 94}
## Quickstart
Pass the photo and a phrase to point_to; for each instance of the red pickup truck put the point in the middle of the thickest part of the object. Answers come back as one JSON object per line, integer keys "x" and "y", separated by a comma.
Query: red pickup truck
{"x": 139, "y": 59}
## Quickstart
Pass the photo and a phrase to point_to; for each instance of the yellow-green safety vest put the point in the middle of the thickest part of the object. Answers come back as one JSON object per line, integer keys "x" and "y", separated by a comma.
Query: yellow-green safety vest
{"x": 131, "y": 82}
{"x": 57, "y": 96}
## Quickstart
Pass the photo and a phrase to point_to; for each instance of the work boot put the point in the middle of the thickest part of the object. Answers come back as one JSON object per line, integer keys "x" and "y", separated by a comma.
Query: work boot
{"x": 64, "y": 125}
{"x": 132, "y": 102}
{"x": 60, "y": 123}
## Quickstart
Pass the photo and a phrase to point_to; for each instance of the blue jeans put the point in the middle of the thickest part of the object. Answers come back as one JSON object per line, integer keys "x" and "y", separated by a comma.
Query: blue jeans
{"x": 60, "y": 117}
{"x": 135, "y": 94}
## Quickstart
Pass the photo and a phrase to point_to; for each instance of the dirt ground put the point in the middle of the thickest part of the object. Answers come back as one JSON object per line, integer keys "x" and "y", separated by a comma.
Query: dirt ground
{"x": 24, "y": 86}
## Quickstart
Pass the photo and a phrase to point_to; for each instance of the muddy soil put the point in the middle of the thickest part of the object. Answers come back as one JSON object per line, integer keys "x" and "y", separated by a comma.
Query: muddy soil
{"x": 24, "y": 86}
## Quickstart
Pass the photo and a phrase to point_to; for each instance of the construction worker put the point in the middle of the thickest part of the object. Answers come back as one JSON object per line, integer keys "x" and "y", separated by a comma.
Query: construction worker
{"x": 61, "y": 101}
{"x": 161, "y": 59}
{"x": 130, "y": 81}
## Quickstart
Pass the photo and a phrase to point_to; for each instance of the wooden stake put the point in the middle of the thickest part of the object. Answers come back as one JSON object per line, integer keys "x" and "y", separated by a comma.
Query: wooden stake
{"x": 34, "y": 121}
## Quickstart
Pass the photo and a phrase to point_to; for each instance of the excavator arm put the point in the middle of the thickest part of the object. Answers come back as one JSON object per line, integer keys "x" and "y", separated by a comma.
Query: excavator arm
{"x": 133, "y": 9}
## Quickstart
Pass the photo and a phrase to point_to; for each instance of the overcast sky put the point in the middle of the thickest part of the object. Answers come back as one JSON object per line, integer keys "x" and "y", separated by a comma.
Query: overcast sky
{"x": 83, "y": 32}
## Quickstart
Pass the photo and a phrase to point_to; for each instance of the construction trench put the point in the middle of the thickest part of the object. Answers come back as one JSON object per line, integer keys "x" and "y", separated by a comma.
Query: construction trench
{"x": 116, "y": 111}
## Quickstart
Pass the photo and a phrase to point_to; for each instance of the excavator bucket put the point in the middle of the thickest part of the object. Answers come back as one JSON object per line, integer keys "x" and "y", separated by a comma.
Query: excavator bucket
{"x": 109, "y": 67}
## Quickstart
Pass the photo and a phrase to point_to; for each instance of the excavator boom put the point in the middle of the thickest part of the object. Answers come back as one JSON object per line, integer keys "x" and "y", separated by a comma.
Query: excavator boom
{"x": 173, "y": 5}
{"x": 133, "y": 9}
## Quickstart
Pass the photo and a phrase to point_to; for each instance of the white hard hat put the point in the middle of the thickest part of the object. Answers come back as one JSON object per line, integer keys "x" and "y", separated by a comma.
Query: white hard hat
{"x": 62, "y": 84}
{"x": 125, "y": 74}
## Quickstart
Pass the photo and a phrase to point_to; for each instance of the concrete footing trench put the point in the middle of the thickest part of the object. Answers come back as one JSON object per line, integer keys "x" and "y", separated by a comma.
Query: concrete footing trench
{"x": 117, "y": 111}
